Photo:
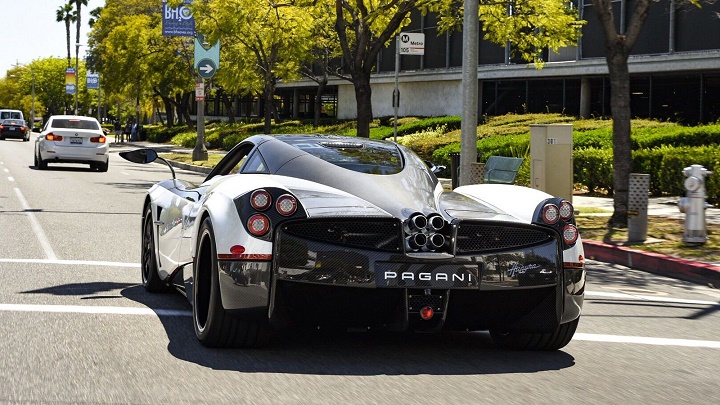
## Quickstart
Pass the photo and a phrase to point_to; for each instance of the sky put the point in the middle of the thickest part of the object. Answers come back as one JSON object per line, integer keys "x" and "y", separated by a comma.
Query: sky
{"x": 29, "y": 31}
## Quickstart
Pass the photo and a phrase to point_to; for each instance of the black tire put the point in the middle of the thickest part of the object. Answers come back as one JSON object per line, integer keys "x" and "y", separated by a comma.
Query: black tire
{"x": 35, "y": 160}
{"x": 214, "y": 327}
{"x": 148, "y": 265}
{"x": 41, "y": 164}
{"x": 102, "y": 167}
{"x": 27, "y": 138}
{"x": 536, "y": 341}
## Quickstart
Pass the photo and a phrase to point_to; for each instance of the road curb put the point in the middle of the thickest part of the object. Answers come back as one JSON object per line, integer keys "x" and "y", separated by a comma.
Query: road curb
{"x": 687, "y": 270}
{"x": 193, "y": 168}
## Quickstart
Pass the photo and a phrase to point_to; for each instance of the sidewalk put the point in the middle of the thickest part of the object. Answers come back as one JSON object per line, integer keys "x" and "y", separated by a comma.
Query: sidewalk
{"x": 693, "y": 271}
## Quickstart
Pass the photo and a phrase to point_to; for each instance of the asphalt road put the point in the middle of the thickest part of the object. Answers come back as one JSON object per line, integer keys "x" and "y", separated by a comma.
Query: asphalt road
{"x": 76, "y": 327}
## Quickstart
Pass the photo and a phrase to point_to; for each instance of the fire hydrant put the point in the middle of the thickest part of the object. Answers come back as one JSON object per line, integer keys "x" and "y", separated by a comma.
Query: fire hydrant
{"x": 693, "y": 205}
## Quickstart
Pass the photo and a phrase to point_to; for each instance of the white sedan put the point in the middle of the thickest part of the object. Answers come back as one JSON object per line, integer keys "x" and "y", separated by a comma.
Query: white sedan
{"x": 72, "y": 139}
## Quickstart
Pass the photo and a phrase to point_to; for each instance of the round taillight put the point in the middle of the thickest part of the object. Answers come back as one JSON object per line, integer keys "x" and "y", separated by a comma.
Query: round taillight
{"x": 566, "y": 210}
{"x": 550, "y": 213}
{"x": 426, "y": 313}
{"x": 258, "y": 224}
{"x": 260, "y": 200}
{"x": 570, "y": 234}
{"x": 286, "y": 205}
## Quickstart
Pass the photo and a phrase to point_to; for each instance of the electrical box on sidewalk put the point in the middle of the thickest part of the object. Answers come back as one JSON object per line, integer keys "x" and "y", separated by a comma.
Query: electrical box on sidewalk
{"x": 551, "y": 154}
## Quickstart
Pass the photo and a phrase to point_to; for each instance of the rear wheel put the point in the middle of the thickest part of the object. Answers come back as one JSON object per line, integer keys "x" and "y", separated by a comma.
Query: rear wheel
{"x": 39, "y": 163}
{"x": 536, "y": 341}
{"x": 214, "y": 327}
{"x": 148, "y": 266}
{"x": 103, "y": 167}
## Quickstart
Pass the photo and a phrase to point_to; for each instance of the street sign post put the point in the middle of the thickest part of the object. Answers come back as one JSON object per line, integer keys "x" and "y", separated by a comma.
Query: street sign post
{"x": 407, "y": 43}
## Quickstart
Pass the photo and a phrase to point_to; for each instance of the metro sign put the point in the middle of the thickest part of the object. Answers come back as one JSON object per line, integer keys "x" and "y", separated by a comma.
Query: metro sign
{"x": 411, "y": 43}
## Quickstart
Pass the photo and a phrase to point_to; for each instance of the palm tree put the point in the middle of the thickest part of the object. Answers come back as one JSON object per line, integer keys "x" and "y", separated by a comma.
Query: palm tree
{"x": 78, "y": 7}
{"x": 67, "y": 15}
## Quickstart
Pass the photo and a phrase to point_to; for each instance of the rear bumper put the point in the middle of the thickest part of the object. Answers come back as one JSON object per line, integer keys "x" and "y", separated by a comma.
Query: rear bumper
{"x": 14, "y": 134}
{"x": 65, "y": 154}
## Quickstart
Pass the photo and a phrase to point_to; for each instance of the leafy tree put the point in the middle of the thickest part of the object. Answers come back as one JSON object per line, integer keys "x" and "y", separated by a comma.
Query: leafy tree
{"x": 263, "y": 41}
{"x": 136, "y": 62}
{"x": 66, "y": 14}
{"x": 366, "y": 26}
{"x": 618, "y": 46}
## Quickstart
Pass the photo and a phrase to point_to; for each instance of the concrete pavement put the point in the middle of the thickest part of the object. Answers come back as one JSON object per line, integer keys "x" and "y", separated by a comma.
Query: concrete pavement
{"x": 694, "y": 271}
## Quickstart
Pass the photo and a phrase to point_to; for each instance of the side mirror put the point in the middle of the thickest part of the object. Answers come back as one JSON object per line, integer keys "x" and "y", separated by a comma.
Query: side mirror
{"x": 144, "y": 155}
{"x": 36, "y": 129}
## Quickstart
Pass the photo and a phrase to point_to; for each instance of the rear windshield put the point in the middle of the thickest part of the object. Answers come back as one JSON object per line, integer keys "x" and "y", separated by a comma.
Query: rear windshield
{"x": 14, "y": 122}
{"x": 364, "y": 157}
{"x": 74, "y": 124}
{"x": 11, "y": 114}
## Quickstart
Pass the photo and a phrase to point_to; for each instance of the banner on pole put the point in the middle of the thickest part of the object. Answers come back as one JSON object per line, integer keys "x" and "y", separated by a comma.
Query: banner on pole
{"x": 178, "y": 21}
{"x": 70, "y": 81}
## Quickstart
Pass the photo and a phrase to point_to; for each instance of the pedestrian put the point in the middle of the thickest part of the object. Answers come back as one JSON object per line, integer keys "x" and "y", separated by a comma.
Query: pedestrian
{"x": 134, "y": 132}
{"x": 128, "y": 129}
{"x": 117, "y": 126}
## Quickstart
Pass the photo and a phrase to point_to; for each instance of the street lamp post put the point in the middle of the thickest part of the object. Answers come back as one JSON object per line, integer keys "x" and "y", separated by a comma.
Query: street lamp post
{"x": 77, "y": 73}
{"x": 32, "y": 106}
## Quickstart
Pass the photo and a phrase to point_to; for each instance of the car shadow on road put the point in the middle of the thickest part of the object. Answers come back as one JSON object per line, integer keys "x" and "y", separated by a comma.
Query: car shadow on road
{"x": 341, "y": 353}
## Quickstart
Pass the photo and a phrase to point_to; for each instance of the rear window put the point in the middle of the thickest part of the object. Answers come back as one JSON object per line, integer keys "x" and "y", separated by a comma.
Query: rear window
{"x": 11, "y": 114}
{"x": 74, "y": 124}
{"x": 14, "y": 122}
{"x": 364, "y": 157}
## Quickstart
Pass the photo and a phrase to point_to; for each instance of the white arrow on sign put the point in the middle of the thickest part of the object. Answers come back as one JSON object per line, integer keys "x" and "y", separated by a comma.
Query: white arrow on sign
{"x": 206, "y": 69}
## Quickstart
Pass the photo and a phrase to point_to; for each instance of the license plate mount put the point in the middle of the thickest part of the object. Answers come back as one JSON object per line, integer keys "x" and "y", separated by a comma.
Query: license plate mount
{"x": 76, "y": 141}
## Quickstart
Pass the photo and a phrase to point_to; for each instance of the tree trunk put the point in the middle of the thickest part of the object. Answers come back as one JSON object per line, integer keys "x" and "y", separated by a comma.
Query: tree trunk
{"x": 318, "y": 102}
{"x": 169, "y": 111}
{"x": 186, "y": 109}
{"x": 228, "y": 107}
{"x": 363, "y": 97}
{"x": 620, "y": 107}
{"x": 268, "y": 95}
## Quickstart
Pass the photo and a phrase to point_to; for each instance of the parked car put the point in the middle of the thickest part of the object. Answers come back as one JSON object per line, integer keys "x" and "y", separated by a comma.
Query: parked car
{"x": 71, "y": 139}
{"x": 14, "y": 128}
{"x": 340, "y": 232}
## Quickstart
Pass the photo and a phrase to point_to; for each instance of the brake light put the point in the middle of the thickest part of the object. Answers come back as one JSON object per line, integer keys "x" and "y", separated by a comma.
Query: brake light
{"x": 2, "y": 126}
{"x": 258, "y": 224}
{"x": 550, "y": 213}
{"x": 260, "y": 200}
{"x": 98, "y": 139}
{"x": 286, "y": 205}
{"x": 570, "y": 234}
{"x": 566, "y": 210}
{"x": 53, "y": 137}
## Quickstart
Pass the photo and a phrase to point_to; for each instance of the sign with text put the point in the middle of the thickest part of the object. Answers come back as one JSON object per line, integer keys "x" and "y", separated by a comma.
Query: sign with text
{"x": 70, "y": 81}
{"x": 92, "y": 81}
{"x": 412, "y": 43}
{"x": 178, "y": 21}
{"x": 199, "y": 91}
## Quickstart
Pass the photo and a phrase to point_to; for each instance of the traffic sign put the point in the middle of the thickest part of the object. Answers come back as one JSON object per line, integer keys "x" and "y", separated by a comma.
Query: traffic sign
{"x": 412, "y": 43}
{"x": 205, "y": 50}
{"x": 206, "y": 68}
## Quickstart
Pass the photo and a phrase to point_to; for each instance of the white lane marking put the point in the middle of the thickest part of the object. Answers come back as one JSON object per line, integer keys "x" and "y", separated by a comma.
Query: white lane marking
{"x": 642, "y": 340}
{"x": 11, "y": 179}
{"x": 104, "y": 310}
{"x": 72, "y": 262}
{"x": 7, "y": 170}
{"x": 77, "y": 309}
{"x": 39, "y": 233}
{"x": 648, "y": 298}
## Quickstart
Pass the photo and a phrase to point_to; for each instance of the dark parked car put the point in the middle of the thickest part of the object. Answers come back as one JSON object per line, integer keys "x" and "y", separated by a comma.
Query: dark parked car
{"x": 14, "y": 128}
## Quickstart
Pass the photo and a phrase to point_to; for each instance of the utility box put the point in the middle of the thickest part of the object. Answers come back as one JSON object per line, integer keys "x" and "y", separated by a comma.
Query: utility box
{"x": 551, "y": 152}
{"x": 638, "y": 207}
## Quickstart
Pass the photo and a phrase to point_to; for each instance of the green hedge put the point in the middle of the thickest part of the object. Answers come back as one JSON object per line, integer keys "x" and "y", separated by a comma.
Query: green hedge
{"x": 593, "y": 168}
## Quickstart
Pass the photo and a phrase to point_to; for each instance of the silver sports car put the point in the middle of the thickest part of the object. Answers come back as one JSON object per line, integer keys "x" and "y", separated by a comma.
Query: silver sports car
{"x": 312, "y": 230}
